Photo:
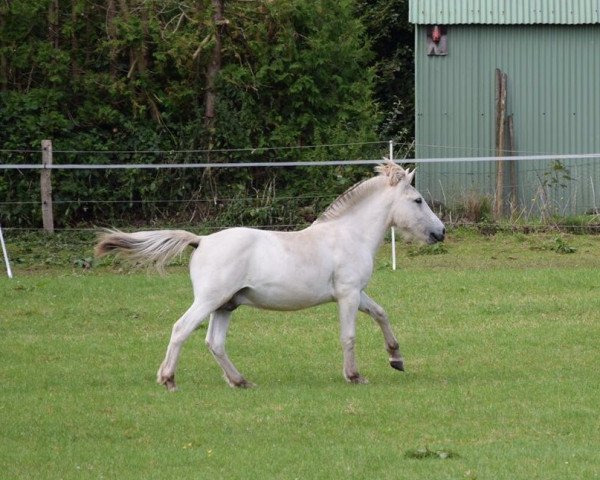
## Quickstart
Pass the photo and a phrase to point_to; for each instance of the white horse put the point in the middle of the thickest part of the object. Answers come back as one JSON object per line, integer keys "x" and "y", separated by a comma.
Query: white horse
{"x": 331, "y": 260}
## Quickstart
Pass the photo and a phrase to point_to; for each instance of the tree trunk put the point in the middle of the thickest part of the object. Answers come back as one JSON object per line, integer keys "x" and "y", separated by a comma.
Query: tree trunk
{"x": 111, "y": 33}
{"x": 142, "y": 51}
{"x": 75, "y": 70}
{"x": 214, "y": 67}
{"x": 210, "y": 95}
{"x": 143, "y": 59}
{"x": 53, "y": 28}
{"x": 3, "y": 62}
{"x": 132, "y": 49}
{"x": 139, "y": 56}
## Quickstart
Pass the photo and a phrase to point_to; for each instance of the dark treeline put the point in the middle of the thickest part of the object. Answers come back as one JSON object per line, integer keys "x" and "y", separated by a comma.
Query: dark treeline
{"x": 167, "y": 75}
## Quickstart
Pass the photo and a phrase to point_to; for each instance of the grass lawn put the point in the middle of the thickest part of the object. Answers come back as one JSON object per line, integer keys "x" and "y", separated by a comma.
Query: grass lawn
{"x": 500, "y": 338}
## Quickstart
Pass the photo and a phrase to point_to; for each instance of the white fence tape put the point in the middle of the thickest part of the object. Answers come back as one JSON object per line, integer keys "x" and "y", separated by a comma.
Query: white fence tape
{"x": 73, "y": 166}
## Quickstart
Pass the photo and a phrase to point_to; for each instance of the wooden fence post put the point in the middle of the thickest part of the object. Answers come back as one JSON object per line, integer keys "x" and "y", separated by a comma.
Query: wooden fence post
{"x": 46, "y": 187}
{"x": 513, "y": 165}
{"x": 501, "y": 78}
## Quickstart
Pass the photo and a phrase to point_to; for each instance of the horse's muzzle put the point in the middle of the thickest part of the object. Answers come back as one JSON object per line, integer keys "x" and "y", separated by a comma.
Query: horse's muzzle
{"x": 435, "y": 237}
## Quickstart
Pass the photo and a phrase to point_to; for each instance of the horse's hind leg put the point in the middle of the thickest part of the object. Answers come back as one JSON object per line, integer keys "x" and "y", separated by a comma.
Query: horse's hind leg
{"x": 368, "y": 306}
{"x": 215, "y": 340}
{"x": 181, "y": 331}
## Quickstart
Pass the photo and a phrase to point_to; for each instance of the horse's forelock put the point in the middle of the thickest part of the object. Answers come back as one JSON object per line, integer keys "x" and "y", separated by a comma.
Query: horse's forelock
{"x": 393, "y": 171}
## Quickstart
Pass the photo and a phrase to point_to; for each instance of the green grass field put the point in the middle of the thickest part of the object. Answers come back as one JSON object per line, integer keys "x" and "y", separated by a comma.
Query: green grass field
{"x": 500, "y": 338}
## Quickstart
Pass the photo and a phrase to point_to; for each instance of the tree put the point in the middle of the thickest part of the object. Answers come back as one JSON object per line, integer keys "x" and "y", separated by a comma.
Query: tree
{"x": 392, "y": 40}
{"x": 170, "y": 75}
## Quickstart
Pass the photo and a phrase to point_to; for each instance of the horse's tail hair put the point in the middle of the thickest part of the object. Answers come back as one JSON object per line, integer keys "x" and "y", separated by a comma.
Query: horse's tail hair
{"x": 150, "y": 248}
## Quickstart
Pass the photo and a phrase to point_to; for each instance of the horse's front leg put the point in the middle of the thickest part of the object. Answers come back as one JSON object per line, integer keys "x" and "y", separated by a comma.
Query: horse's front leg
{"x": 348, "y": 308}
{"x": 368, "y": 306}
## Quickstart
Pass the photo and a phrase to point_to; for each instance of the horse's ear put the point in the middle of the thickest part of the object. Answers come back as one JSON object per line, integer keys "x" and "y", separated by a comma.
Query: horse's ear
{"x": 399, "y": 174}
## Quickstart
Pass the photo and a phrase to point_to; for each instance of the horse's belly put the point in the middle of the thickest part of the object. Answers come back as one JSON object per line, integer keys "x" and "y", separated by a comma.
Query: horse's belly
{"x": 277, "y": 298}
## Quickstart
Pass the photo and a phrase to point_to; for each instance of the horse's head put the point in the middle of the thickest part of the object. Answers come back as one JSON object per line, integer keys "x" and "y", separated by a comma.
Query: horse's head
{"x": 410, "y": 213}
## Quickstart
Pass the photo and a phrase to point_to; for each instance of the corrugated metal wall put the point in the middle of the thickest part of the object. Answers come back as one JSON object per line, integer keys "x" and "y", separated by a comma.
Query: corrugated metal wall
{"x": 504, "y": 12}
{"x": 553, "y": 93}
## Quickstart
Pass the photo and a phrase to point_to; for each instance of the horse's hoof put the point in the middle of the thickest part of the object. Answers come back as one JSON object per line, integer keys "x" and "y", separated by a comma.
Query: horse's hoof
{"x": 171, "y": 387}
{"x": 243, "y": 383}
{"x": 357, "y": 379}
{"x": 168, "y": 382}
{"x": 397, "y": 364}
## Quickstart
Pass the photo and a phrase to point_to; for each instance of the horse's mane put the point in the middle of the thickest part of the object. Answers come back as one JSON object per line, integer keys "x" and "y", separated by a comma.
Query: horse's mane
{"x": 362, "y": 189}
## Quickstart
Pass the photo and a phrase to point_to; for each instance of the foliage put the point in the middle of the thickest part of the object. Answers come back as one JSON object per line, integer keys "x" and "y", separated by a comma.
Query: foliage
{"x": 557, "y": 244}
{"x": 130, "y": 75}
{"x": 557, "y": 175}
{"x": 552, "y": 183}
{"x": 392, "y": 39}
{"x": 576, "y": 224}
{"x": 560, "y": 246}
{"x": 474, "y": 208}
{"x": 435, "y": 249}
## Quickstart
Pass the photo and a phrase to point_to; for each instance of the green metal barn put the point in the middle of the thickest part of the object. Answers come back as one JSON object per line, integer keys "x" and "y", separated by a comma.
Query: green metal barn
{"x": 550, "y": 53}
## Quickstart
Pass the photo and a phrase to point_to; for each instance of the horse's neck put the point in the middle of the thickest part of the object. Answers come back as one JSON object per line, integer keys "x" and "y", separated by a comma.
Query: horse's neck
{"x": 367, "y": 222}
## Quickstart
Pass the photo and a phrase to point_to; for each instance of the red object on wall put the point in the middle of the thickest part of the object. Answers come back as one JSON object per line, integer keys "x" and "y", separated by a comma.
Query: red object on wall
{"x": 436, "y": 34}
{"x": 437, "y": 40}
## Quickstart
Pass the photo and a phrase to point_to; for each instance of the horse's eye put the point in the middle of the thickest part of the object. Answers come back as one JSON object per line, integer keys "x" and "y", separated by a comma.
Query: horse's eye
{"x": 419, "y": 200}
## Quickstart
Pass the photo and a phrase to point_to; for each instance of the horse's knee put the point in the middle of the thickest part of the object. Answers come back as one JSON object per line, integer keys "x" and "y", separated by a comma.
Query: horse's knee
{"x": 348, "y": 341}
{"x": 380, "y": 315}
{"x": 377, "y": 313}
{"x": 178, "y": 332}
{"x": 215, "y": 349}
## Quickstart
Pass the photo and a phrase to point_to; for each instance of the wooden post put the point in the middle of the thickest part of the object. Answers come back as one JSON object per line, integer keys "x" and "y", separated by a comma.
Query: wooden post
{"x": 513, "y": 164}
{"x": 500, "y": 120}
{"x": 46, "y": 187}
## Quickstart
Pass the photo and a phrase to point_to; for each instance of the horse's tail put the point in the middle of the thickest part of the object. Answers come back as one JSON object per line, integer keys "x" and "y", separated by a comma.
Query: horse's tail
{"x": 151, "y": 248}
